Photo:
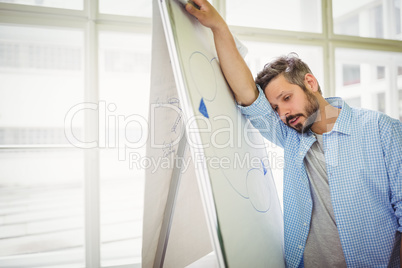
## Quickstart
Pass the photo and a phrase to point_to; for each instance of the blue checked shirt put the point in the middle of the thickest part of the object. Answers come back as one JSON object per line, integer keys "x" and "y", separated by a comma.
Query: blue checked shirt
{"x": 363, "y": 154}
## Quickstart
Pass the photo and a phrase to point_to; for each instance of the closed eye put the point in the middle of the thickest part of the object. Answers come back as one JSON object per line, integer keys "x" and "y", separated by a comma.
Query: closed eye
{"x": 286, "y": 98}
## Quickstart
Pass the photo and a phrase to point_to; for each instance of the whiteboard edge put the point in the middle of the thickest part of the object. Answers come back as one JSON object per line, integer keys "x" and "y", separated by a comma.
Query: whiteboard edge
{"x": 201, "y": 167}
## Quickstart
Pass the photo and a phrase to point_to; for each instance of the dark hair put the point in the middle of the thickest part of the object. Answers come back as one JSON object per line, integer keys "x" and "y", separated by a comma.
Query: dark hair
{"x": 292, "y": 68}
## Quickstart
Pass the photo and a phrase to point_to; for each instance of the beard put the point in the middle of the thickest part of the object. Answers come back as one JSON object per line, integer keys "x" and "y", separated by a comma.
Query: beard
{"x": 310, "y": 113}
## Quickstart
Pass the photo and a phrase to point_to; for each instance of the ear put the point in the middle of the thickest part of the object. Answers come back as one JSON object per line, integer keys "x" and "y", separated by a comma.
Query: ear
{"x": 311, "y": 82}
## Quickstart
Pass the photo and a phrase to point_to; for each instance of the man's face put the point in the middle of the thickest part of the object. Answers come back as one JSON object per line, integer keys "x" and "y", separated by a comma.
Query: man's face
{"x": 296, "y": 108}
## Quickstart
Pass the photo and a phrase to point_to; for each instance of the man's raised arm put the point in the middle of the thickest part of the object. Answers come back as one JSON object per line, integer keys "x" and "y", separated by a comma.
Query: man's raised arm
{"x": 233, "y": 66}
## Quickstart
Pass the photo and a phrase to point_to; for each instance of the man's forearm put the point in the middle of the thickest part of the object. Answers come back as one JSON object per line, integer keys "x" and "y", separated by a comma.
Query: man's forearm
{"x": 234, "y": 68}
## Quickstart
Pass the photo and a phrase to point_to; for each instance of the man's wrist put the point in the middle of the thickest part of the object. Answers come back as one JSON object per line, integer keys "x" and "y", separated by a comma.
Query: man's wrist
{"x": 220, "y": 28}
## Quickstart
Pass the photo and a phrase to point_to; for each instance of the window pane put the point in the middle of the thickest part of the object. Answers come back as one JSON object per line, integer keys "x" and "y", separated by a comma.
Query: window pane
{"x": 380, "y": 72}
{"x": 377, "y": 88}
{"x": 70, "y": 4}
{"x": 399, "y": 85}
{"x": 42, "y": 79}
{"x": 138, "y": 8}
{"x": 351, "y": 74}
{"x": 124, "y": 80}
{"x": 400, "y": 105}
{"x": 368, "y": 18}
{"x": 355, "y": 102}
{"x": 122, "y": 200}
{"x": 260, "y": 53}
{"x": 381, "y": 102}
{"x": 282, "y": 15}
{"x": 41, "y": 207}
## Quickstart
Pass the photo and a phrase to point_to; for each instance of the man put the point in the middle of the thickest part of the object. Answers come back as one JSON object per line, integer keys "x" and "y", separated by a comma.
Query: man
{"x": 343, "y": 166}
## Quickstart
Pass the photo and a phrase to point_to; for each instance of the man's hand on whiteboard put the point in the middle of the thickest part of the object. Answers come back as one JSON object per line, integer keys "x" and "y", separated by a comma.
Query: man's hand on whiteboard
{"x": 206, "y": 14}
{"x": 233, "y": 66}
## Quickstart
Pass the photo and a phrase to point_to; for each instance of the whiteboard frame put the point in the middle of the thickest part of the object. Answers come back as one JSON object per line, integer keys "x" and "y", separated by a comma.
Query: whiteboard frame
{"x": 200, "y": 166}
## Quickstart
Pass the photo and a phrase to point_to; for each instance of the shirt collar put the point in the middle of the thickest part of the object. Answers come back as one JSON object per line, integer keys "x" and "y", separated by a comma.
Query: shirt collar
{"x": 342, "y": 124}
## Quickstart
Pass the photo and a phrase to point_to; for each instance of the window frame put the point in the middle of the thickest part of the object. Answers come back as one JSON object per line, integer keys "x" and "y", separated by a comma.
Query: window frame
{"x": 90, "y": 21}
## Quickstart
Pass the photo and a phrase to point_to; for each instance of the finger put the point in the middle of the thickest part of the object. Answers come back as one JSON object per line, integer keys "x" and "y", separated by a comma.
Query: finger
{"x": 199, "y": 3}
{"x": 194, "y": 4}
{"x": 192, "y": 10}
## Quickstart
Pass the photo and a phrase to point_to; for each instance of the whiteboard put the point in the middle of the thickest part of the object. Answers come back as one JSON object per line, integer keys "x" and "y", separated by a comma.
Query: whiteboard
{"x": 231, "y": 163}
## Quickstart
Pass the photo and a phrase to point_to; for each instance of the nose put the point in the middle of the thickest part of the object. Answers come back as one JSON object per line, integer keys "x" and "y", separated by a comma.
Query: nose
{"x": 283, "y": 113}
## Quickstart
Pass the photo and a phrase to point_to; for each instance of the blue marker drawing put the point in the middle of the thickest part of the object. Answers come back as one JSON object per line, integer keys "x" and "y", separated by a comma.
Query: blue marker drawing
{"x": 203, "y": 109}
{"x": 258, "y": 190}
{"x": 206, "y": 83}
{"x": 264, "y": 168}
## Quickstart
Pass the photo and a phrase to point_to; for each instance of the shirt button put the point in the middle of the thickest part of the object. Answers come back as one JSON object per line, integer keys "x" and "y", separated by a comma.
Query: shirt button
{"x": 305, "y": 224}
{"x": 300, "y": 247}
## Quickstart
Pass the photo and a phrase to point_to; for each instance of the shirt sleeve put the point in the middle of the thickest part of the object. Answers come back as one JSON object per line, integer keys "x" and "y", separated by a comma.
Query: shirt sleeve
{"x": 392, "y": 144}
{"x": 265, "y": 119}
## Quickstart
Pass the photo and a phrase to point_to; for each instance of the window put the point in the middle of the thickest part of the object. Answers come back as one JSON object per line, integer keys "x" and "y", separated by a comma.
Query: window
{"x": 42, "y": 207}
{"x": 400, "y": 105}
{"x": 62, "y": 170}
{"x": 399, "y": 85}
{"x": 41, "y": 70}
{"x": 366, "y": 75}
{"x": 381, "y": 102}
{"x": 368, "y": 18}
{"x": 260, "y": 53}
{"x": 140, "y": 8}
{"x": 351, "y": 74}
{"x": 71, "y": 4}
{"x": 42, "y": 77}
{"x": 289, "y": 15}
{"x": 348, "y": 26}
{"x": 75, "y": 79}
{"x": 354, "y": 102}
{"x": 124, "y": 71}
{"x": 380, "y": 72}
{"x": 397, "y": 12}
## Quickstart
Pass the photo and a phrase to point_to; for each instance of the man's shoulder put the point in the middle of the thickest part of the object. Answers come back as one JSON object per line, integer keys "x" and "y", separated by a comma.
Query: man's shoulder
{"x": 370, "y": 118}
{"x": 363, "y": 114}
